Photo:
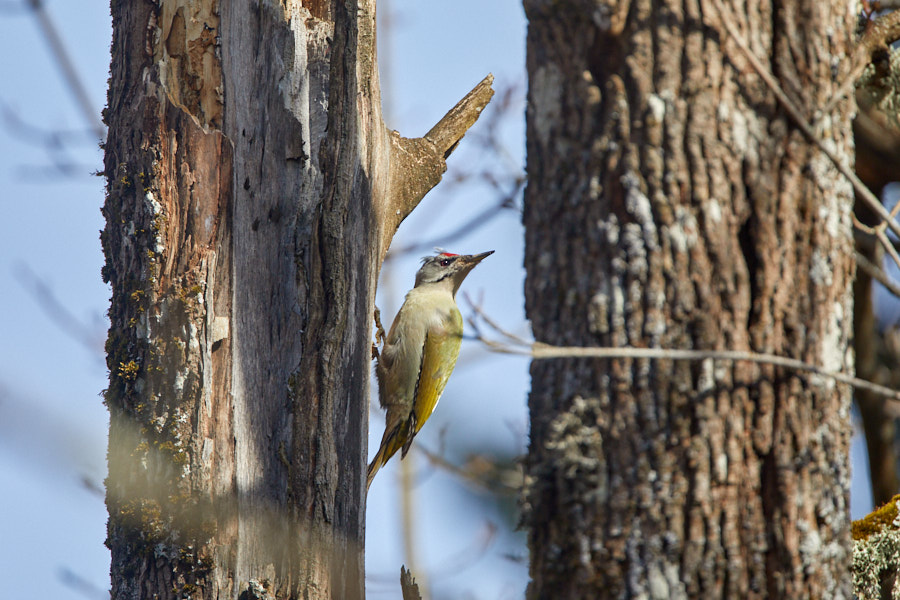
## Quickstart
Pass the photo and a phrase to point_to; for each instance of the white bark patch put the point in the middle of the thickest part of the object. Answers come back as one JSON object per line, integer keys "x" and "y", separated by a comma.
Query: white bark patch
{"x": 219, "y": 329}
{"x": 300, "y": 92}
{"x": 683, "y": 233}
{"x": 657, "y": 107}
{"x": 633, "y": 242}
{"x": 156, "y": 211}
{"x": 618, "y": 307}
{"x": 638, "y": 205}
{"x": 721, "y": 466}
{"x": 193, "y": 339}
{"x": 740, "y": 127}
{"x": 609, "y": 230}
{"x": 820, "y": 271}
{"x": 595, "y": 188}
{"x": 832, "y": 354}
{"x": 598, "y": 313}
{"x": 706, "y": 382}
{"x": 831, "y": 219}
{"x": 179, "y": 381}
{"x": 714, "y": 211}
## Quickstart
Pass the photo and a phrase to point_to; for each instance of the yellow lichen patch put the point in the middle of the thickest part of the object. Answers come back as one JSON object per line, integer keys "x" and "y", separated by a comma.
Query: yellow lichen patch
{"x": 146, "y": 515}
{"x": 128, "y": 371}
{"x": 875, "y": 521}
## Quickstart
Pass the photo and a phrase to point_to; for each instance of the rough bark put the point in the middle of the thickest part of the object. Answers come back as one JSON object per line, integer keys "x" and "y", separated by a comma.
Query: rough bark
{"x": 253, "y": 191}
{"x": 672, "y": 203}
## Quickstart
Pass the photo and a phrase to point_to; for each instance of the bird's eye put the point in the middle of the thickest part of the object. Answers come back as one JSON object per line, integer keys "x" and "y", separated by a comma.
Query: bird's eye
{"x": 446, "y": 262}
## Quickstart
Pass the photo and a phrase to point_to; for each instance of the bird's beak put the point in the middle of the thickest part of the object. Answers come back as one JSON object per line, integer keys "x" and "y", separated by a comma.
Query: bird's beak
{"x": 466, "y": 263}
{"x": 470, "y": 260}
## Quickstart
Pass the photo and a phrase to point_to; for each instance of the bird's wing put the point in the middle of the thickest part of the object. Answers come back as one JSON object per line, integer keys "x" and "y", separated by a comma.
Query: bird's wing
{"x": 439, "y": 354}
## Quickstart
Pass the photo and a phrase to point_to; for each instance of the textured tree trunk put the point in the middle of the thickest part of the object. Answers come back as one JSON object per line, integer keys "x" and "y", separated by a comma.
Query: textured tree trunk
{"x": 253, "y": 191}
{"x": 672, "y": 203}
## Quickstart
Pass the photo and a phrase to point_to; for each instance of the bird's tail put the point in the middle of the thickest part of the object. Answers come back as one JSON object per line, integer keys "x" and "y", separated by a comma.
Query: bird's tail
{"x": 374, "y": 466}
{"x": 394, "y": 439}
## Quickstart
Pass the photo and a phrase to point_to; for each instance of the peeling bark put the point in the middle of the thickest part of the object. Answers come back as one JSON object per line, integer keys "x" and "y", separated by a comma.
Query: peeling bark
{"x": 253, "y": 191}
{"x": 671, "y": 203}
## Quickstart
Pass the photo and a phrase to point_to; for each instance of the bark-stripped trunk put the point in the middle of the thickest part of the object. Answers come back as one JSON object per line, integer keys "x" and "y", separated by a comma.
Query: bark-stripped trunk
{"x": 253, "y": 191}
{"x": 672, "y": 203}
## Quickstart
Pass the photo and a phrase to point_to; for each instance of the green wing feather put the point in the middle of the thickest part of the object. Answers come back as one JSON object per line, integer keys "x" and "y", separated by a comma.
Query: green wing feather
{"x": 438, "y": 360}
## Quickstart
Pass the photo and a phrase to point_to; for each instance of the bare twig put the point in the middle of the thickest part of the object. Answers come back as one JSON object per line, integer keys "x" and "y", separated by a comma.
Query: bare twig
{"x": 69, "y": 72}
{"x": 463, "y": 559}
{"x": 79, "y": 584}
{"x": 478, "y": 311}
{"x": 878, "y": 274}
{"x": 879, "y": 235}
{"x": 883, "y": 238}
{"x": 57, "y": 311}
{"x": 539, "y": 350}
{"x": 479, "y": 220}
{"x": 493, "y": 486}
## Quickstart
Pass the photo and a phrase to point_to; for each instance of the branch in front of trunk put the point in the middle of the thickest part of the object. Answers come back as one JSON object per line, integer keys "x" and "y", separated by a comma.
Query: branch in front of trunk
{"x": 539, "y": 350}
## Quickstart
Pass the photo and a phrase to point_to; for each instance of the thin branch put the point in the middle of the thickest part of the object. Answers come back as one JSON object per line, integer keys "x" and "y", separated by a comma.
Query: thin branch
{"x": 56, "y": 310}
{"x": 69, "y": 72}
{"x": 883, "y": 238}
{"x": 463, "y": 559}
{"x": 80, "y": 585}
{"x": 492, "y": 486}
{"x": 545, "y": 351}
{"x": 893, "y": 215}
{"x": 541, "y": 351}
{"x": 878, "y": 274}
{"x": 476, "y": 222}
{"x": 880, "y": 236}
{"x": 478, "y": 311}
{"x": 862, "y": 191}
{"x": 40, "y": 136}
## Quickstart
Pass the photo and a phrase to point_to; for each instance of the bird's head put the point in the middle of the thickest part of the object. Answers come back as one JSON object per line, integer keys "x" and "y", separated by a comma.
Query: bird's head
{"x": 446, "y": 269}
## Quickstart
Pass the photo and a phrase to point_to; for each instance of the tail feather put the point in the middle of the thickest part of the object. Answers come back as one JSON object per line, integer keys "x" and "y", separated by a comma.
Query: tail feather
{"x": 394, "y": 439}
{"x": 374, "y": 466}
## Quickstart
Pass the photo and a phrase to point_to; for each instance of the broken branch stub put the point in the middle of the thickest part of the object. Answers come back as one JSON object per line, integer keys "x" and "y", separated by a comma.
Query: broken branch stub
{"x": 417, "y": 164}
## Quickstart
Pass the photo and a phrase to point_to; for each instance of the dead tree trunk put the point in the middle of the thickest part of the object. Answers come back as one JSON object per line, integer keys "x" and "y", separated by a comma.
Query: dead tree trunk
{"x": 253, "y": 191}
{"x": 672, "y": 203}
